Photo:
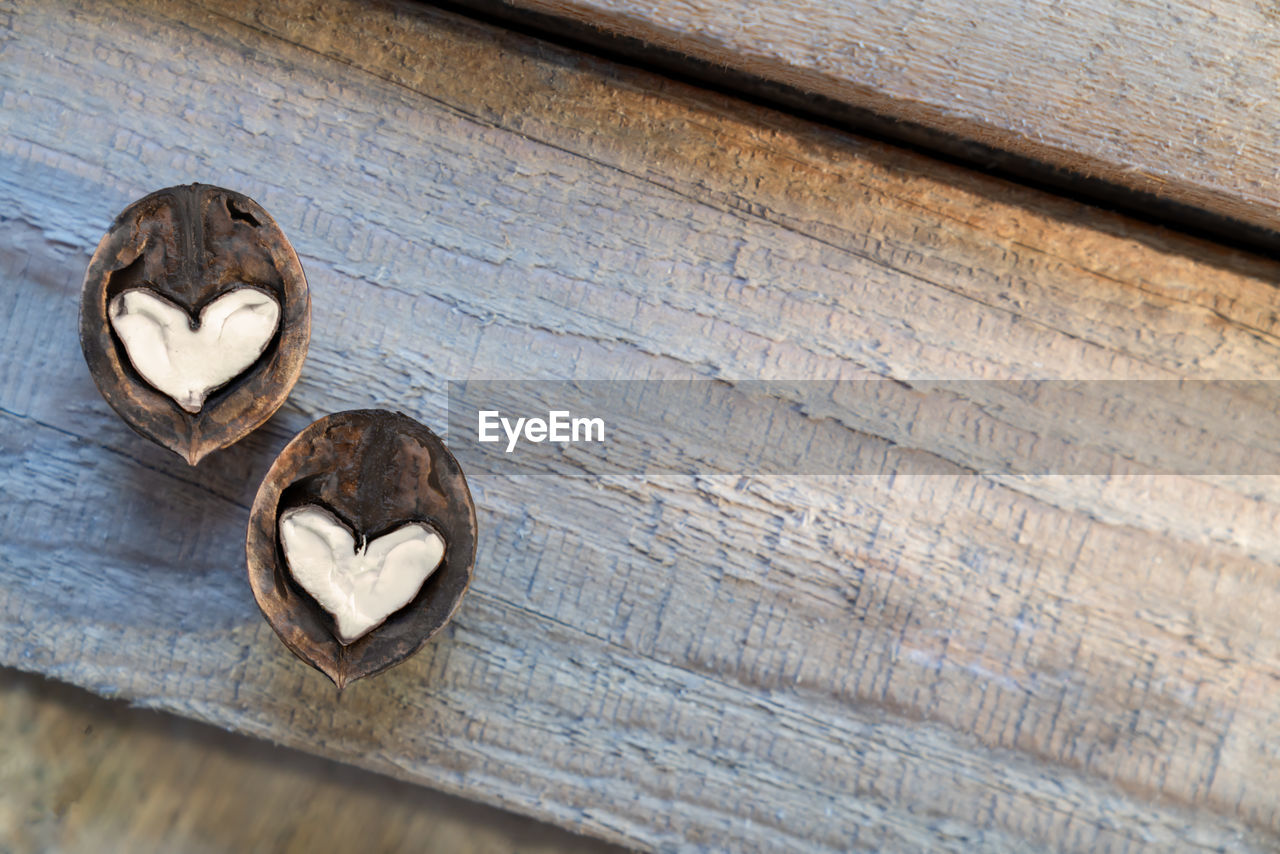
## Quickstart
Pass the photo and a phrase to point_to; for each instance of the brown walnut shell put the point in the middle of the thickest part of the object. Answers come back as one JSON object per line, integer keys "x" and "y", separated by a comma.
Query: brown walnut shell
{"x": 191, "y": 244}
{"x": 375, "y": 470}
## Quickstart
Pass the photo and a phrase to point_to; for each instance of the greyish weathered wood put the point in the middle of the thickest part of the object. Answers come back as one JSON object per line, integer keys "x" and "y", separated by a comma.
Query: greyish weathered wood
{"x": 782, "y": 663}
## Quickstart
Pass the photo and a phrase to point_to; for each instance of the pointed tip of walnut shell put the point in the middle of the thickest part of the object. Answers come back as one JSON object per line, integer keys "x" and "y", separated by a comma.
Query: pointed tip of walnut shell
{"x": 374, "y": 469}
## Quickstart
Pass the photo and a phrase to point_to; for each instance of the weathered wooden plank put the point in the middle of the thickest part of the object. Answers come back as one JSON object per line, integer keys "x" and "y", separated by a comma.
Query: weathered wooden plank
{"x": 760, "y": 663}
{"x": 1174, "y": 100}
{"x": 84, "y": 774}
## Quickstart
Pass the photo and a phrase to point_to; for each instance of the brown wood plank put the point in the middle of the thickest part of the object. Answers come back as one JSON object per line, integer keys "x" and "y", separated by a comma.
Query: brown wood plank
{"x": 1173, "y": 100}
{"x": 767, "y": 663}
{"x": 84, "y": 774}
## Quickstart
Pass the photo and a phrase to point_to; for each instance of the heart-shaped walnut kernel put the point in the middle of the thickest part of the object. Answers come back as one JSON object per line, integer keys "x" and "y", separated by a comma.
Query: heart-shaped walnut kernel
{"x": 187, "y": 363}
{"x": 362, "y": 583}
{"x": 176, "y": 258}
{"x": 359, "y": 492}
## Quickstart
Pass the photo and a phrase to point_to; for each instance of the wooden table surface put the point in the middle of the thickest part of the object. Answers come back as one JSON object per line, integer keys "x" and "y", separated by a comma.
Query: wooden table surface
{"x": 705, "y": 662}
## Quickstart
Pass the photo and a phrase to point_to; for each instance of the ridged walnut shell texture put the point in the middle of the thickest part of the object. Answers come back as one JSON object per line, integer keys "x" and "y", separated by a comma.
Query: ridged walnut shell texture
{"x": 375, "y": 470}
{"x": 190, "y": 244}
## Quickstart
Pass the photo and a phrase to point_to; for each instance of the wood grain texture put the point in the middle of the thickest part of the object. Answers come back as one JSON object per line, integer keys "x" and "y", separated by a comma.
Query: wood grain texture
{"x": 80, "y": 773}
{"x": 784, "y": 663}
{"x": 1176, "y": 100}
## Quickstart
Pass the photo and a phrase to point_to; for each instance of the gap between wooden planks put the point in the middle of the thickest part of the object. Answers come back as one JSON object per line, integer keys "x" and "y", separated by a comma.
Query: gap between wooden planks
{"x": 817, "y": 663}
{"x": 1175, "y": 101}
